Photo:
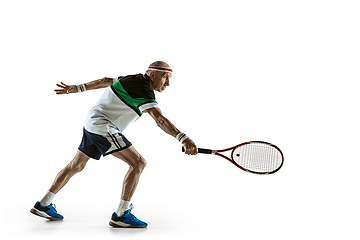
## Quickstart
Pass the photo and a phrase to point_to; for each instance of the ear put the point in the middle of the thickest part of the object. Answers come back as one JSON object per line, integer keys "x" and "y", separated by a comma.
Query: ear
{"x": 152, "y": 75}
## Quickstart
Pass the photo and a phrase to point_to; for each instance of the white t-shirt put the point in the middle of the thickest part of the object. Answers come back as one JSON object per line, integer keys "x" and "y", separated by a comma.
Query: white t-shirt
{"x": 121, "y": 104}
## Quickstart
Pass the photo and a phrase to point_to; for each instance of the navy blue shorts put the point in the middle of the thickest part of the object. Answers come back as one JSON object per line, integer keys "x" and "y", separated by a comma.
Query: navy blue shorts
{"x": 94, "y": 145}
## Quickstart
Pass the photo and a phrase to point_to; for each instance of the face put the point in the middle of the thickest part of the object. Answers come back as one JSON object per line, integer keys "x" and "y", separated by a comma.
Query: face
{"x": 160, "y": 80}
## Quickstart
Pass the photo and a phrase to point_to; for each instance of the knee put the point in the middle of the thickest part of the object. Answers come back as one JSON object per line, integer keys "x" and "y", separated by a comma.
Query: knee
{"x": 139, "y": 164}
{"x": 77, "y": 166}
{"x": 143, "y": 164}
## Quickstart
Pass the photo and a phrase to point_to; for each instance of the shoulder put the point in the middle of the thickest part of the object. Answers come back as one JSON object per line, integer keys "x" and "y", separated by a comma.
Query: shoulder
{"x": 139, "y": 79}
{"x": 138, "y": 86}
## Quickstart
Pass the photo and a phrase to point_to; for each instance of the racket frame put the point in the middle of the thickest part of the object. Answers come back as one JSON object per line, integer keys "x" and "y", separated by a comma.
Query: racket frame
{"x": 218, "y": 153}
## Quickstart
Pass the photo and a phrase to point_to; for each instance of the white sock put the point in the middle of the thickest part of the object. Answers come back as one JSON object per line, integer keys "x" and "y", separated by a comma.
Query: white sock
{"x": 47, "y": 199}
{"x": 123, "y": 206}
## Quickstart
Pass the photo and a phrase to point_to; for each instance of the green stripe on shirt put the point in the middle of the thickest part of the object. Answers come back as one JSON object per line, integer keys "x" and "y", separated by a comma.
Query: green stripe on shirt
{"x": 133, "y": 102}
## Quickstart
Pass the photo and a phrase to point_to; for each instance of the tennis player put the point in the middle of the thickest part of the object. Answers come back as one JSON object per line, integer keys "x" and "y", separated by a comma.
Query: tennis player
{"x": 123, "y": 102}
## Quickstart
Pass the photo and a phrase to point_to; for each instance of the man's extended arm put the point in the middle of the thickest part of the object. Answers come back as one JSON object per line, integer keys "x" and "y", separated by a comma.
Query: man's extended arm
{"x": 169, "y": 128}
{"x": 100, "y": 83}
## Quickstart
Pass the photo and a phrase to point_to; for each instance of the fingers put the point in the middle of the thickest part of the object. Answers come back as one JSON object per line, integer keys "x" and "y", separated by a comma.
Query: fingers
{"x": 60, "y": 91}
{"x": 64, "y": 89}
{"x": 191, "y": 149}
{"x": 63, "y": 85}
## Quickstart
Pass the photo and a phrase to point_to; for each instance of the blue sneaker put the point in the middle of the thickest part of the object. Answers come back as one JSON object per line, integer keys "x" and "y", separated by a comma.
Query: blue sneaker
{"x": 127, "y": 220}
{"x": 48, "y": 212}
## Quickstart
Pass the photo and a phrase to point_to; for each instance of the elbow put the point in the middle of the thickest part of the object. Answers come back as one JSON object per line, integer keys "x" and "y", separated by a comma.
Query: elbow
{"x": 105, "y": 82}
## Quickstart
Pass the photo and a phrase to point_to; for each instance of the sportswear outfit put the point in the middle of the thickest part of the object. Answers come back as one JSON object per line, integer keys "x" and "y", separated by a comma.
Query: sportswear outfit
{"x": 121, "y": 104}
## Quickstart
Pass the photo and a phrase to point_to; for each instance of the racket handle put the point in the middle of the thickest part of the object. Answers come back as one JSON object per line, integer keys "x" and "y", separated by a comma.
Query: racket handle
{"x": 202, "y": 150}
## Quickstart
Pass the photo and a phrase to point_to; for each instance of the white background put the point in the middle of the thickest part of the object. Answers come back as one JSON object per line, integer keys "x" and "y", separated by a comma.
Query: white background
{"x": 285, "y": 72}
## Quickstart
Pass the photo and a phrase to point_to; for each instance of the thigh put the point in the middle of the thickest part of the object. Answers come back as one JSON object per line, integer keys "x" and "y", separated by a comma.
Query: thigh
{"x": 129, "y": 155}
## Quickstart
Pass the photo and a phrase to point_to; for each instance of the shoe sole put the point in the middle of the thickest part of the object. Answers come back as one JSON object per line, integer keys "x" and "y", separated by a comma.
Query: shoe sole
{"x": 44, "y": 215}
{"x": 123, "y": 225}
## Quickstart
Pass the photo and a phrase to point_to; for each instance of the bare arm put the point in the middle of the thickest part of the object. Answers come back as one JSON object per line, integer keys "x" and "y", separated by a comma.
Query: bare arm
{"x": 169, "y": 128}
{"x": 100, "y": 83}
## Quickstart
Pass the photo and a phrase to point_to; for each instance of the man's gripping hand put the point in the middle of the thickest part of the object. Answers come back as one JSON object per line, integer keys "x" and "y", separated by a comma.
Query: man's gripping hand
{"x": 190, "y": 147}
{"x": 65, "y": 89}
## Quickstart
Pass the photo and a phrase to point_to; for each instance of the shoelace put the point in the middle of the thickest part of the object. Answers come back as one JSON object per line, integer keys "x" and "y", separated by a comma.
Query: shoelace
{"x": 131, "y": 216}
{"x": 54, "y": 206}
{"x": 131, "y": 207}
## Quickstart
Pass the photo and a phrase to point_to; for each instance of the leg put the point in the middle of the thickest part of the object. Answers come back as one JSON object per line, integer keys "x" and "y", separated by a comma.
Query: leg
{"x": 76, "y": 165}
{"x": 122, "y": 217}
{"x": 136, "y": 165}
{"x": 44, "y": 208}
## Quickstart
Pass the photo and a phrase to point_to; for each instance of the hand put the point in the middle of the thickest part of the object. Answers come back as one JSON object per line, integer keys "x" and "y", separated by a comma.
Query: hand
{"x": 66, "y": 89}
{"x": 190, "y": 147}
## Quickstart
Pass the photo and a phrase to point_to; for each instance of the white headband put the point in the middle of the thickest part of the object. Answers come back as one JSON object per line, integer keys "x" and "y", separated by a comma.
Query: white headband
{"x": 160, "y": 69}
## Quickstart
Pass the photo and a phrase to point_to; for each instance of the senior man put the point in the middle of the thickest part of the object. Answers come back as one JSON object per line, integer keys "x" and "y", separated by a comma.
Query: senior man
{"x": 123, "y": 102}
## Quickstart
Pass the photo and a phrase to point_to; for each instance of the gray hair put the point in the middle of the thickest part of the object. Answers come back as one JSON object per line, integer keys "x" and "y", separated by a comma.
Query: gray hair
{"x": 157, "y": 64}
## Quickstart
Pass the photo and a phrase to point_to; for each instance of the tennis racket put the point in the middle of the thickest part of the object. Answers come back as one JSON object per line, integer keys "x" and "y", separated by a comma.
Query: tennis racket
{"x": 253, "y": 157}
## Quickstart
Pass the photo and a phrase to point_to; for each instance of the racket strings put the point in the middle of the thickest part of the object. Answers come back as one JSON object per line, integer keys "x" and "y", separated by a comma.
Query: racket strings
{"x": 258, "y": 157}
